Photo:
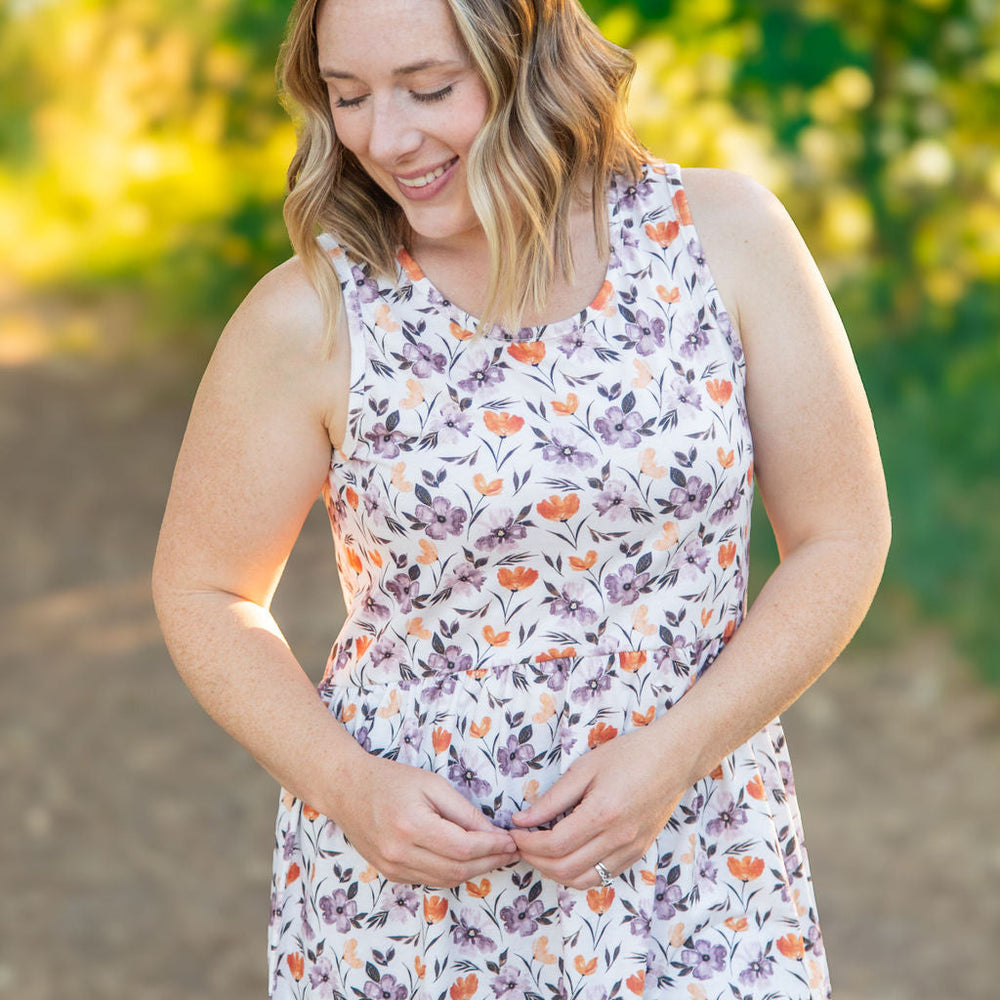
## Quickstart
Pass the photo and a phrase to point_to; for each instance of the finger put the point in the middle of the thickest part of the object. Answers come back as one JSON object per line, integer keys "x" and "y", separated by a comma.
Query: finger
{"x": 580, "y": 828}
{"x": 568, "y": 790}
{"x": 454, "y": 806}
{"x": 578, "y": 869}
{"x": 450, "y": 840}
{"x": 424, "y": 867}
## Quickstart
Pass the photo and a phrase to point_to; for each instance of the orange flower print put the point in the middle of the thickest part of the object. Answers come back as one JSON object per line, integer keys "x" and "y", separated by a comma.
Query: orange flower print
{"x": 292, "y": 874}
{"x": 640, "y": 622}
{"x": 441, "y": 739}
{"x": 530, "y": 788}
{"x": 631, "y": 660}
{"x": 565, "y": 409}
{"x": 716, "y": 773}
{"x": 663, "y": 233}
{"x": 554, "y": 654}
{"x": 727, "y": 553}
{"x": 530, "y": 352}
{"x": 415, "y": 626}
{"x": 383, "y": 318}
{"x": 668, "y": 538}
{"x": 588, "y": 560}
{"x": 750, "y": 474}
{"x": 668, "y": 294}
{"x": 351, "y": 953}
{"x": 309, "y": 813}
{"x": 644, "y": 718}
{"x": 353, "y": 559}
{"x": 435, "y": 908}
{"x": 647, "y": 876}
{"x": 518, "y": 578}
{"x": 488, "y": 489}
{"x": 600, "y": 733}
{"x": 480, "y": 889}
{"x": 649, "y": 466}
{"x": 737, "y": 924}
{"x": 409, "y": 265}
{"x": 480, "y": 729}
{"x": 547, "y": 710}
{"x": 706, "y": 615}
{"x": 643, "y": 375}
{"x": 637, "y": 982}
{"x": 391, "y": 707}
{"x": 681, "y": 207}
{"x": 460, "y": 332}
{"x": 559, "y": 508}
{"x": 368, "y": 875}
{"x": 600, "y": 900}
{"x": 296, "y": 965}
{"x": 726, "y": 458}
{"x": 729, "y": 631}
{"x": 677, "y": 935}
{"x": 745, "y": 868}
{"x": 419, "y": 967}
{"x": 502, "y": 424}
{"x": 428, "y": 552}
{"x": 351, "y": 496}
{"x": 348, "y": 712}
{"x": 603, "y": 297}
{"x": 464, "y": 989}
{"x": 755, "y": 788}
{"x": 414, "y": 397}
{"x": 584, "y": 967}
{"x": 791, "y": 946}
{"x": 719, "y": 389}
{"x": 541, "y": 951}
{"x": 399, "y": 479}
{"x": 375, "y": 556}
{"x": 495, "y": 638}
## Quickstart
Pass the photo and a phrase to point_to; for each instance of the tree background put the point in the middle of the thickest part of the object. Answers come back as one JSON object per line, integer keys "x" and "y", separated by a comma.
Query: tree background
{"x": 142, "y": 161}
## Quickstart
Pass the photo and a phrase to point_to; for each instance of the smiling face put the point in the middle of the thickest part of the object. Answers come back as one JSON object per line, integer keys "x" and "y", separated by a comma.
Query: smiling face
{"x": 407, "y": 102}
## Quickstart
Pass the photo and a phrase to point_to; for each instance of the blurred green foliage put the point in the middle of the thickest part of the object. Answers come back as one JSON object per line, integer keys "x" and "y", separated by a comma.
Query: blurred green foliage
{"x": 143, "y": 154}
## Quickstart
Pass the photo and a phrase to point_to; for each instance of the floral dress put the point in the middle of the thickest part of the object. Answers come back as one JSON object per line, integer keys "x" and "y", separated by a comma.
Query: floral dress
{"x": 542, "y": 540}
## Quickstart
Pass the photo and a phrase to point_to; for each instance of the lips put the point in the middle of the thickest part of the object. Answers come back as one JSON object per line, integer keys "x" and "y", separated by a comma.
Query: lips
{"x": 428, "y": 178}
{"x": 423, "y": 187}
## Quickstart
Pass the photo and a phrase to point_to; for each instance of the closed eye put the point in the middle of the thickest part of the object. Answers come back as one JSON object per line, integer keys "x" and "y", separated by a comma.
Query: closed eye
{"x": 437, "y": 95}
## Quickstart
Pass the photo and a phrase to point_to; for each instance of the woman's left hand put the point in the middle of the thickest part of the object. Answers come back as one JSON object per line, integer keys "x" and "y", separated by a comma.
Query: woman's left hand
{"x": 621, "y": 795}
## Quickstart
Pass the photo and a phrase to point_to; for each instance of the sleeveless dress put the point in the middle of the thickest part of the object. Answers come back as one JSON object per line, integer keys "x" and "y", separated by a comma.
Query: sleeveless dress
{"x": 542, "y": 542}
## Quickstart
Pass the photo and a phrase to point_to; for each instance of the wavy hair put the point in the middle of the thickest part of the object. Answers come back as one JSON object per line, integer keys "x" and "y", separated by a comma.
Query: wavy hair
{"x": 556, "y": 121}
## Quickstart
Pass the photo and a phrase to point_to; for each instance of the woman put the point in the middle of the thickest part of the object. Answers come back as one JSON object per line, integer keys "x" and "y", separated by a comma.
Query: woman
{"x": 545, "y": 759}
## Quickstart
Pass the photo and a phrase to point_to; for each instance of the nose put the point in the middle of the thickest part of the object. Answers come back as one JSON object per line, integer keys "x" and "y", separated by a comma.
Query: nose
{"x": 392, "y": 135}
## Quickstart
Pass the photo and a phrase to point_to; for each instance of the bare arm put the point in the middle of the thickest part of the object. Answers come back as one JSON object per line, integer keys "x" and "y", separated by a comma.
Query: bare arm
{"x": 254, "y": 457}
{"x": 818, "y": 469}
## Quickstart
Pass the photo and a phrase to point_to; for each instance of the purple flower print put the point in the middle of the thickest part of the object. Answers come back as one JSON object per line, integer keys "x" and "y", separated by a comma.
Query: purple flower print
{"x": 685, "y": 394}
{"x": 787, "y": 779}
{"x": 760, "y": 968}
{"x": 452, "y": 423}
{"x": 640, "y": 923}
{"x": 557, "y": 669}
{"x": 567, "y": 449}
{"x": 698, "y": 256}
{"x": 404, "y": 902}
{"x": 366, "y": 287}
{"x": 404, "y": 590}
{"x": 463, "y": 775}
{"x": 565, "y": 900}
{"x": 385, "y": 442}
{"x": 728, "y": 507}
{"x": 633, "y": 193}
{"x": 615, "y": 500}
{"x": 690, "y": 498}
{"x": 450, "y": 661}
{"x": 513, "y": 759}
{"x": 645, "y": 334}
{"x": 664, "y": 897}
{"x": 509, "y": 983}
{"x": 729, "y": 817}
{"x": 695, "y": 340}
{"x": 290, "y": 845}
{"x": 704, "y": 870}
{"x": 693, "y": 560}
{"x": 814, "y": 940}
{"x": 522, "y": 917}
{"x": 570, "y": 605}
{"x": 504, "y": 532}
{"x": 338, "y": 910}
{"x": 440, "y": 519}
{"x": 579, "y": 343}
{"x": 625, "y": 586}
{"x": 705, "y": 957}
{"x": 483, "y": 375}
{"x": 362, "y": 738}
{"x": 671, "y": 653}
{"x": 465, "y": 578}
{"x": 386, "y": 988}
{"x": 373, "y": 609}
{"x": 423, "y": 360}
{"x": 468, "y": 933}
{"x": 441, "y": 683}
{"x": 595, "y": 679}
{"x": 411, "y": 735}
{"x": 385, "y": 653}
{"x": 618, "y": 427}
{"x": 322, "y": 978}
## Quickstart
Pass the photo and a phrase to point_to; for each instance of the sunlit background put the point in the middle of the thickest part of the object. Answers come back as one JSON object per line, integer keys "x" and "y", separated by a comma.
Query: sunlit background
{"x": 142, "y": 160}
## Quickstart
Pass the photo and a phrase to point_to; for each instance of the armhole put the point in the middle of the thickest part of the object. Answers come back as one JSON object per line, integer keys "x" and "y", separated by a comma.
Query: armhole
{"x": 713, "y": 296}
{"x": 357, "y": 356}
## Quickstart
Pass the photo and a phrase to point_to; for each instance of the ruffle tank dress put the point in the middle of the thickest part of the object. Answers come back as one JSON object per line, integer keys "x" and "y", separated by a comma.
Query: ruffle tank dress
{"x": 542, "y": 541}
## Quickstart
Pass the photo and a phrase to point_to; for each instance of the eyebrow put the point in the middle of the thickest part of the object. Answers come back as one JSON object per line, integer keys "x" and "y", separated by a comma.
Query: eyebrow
{"x": 418, "y": 67}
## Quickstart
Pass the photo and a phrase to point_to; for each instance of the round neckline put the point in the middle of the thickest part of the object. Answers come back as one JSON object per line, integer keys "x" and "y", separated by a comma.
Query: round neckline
{"x": 414, "y": 273}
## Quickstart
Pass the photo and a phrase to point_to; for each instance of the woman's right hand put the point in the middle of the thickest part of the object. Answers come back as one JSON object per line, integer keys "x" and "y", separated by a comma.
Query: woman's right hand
{"x": 414, "y": 827}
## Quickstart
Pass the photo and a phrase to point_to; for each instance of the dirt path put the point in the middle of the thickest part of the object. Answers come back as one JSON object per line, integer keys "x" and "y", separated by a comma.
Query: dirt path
{"x": 135, "y": 842}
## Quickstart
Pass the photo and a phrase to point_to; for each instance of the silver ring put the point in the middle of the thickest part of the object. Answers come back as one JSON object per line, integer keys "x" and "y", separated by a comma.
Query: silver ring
{"x": 606, "y": 878}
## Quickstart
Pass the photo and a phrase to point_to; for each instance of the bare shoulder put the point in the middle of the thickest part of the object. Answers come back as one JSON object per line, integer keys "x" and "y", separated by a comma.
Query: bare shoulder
{"x": 744, "y": 229}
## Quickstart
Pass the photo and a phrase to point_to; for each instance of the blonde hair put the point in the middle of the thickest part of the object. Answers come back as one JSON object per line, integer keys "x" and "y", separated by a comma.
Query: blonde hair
{"x": 556, "y": 120}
